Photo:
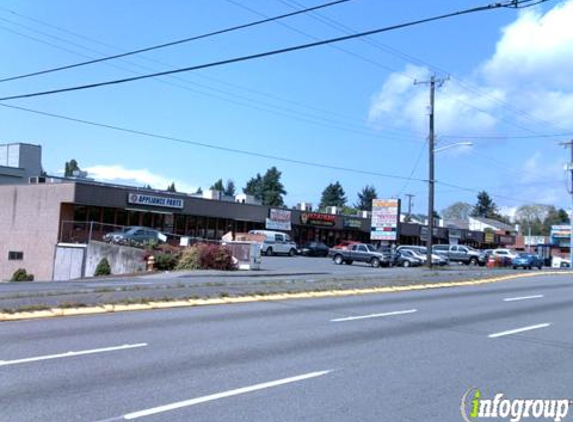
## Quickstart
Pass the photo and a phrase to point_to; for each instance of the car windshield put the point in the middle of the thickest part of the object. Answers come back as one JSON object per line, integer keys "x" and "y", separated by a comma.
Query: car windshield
{"x": 371, "y": 248}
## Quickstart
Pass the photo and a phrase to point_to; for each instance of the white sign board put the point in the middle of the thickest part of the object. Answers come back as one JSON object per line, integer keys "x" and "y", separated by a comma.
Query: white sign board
{"x": 278, "y": 220}
{"x": 385, "y": 219}
{"x": 155, "y": 201}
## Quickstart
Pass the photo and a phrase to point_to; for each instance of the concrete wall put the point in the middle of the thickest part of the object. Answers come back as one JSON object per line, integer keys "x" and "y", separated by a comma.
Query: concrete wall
{"x": 122, "y": 259}
{"x": 29, "y": 223}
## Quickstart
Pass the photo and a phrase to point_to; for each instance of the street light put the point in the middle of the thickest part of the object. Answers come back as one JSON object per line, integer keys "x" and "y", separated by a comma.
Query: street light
{"x": 431, "y": 183}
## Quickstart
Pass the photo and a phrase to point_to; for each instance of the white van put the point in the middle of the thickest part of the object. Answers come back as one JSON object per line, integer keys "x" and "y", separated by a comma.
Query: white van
{"x": 275, "y": 243}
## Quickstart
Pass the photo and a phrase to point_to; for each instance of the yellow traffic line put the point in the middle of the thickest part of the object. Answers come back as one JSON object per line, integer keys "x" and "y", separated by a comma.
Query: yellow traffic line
{"x": 113, "y": 308}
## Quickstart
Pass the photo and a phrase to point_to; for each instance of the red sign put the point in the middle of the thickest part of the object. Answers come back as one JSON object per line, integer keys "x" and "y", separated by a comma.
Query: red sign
{"x": 318, "y": 219}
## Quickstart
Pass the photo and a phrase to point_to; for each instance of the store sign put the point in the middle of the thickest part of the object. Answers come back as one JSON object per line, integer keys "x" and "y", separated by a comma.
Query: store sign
{"x": 455, "y": 233}
{"x": 489, "y": 237}
{"x": 317, "y": 219}
{"x": 560, "y": 235}
{"x": 278, "y": 220}
{"x": 155, "y": 201}
{"x": 424, "y": 233}
{"x": 352, "y": 223}
{"x": 506, "y": 240}
{"x": 385, "y": 219}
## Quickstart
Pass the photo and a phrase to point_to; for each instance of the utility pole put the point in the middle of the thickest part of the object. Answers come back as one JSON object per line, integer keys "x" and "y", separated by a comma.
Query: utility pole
{"x": 431, "y": 179}
{"x": 569, "y": 168}
{"x": 410, "y": 196}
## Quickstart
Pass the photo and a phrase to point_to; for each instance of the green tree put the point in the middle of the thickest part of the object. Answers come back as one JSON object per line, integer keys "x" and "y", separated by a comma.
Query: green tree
{"x": 230, "y": 188}
{"x": 147, "y": 187}
{"x": 457, "y": 211}
{"x": 218, "y": 185}
{"x": 485, "y": 207}
{"x": 268, "y": 188}
{"x": 554, "y": 217}
{"x": 273, "y": 189}
{"x": 254, "y": 187}
{"x": 70, "y": 167}
{"x": 199, "y": 191}
{"x": 365, "y": 198}
{"x": 333, "y": 196}
{"x": 171, "y": 187}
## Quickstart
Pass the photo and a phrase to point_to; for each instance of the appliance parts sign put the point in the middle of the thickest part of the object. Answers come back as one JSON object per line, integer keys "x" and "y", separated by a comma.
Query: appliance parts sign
{"x": 155, "y": 201}
{"x": 278, "y": 220}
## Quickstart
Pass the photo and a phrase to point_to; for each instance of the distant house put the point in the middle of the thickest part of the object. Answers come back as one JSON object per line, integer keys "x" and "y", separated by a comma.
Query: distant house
{"x": 19, "y": 162}
{"x": 482, "y": 223}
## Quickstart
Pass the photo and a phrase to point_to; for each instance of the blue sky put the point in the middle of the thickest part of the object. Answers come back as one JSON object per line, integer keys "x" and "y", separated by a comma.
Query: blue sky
{"x": 352, "y": 105}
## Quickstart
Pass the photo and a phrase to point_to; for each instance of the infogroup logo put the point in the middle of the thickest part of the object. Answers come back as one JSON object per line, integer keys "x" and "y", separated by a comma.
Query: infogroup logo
{"x": 475, "y": 407}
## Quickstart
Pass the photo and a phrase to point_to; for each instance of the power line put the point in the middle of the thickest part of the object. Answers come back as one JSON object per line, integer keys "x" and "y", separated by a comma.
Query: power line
{"x": 207, "y": 145}
{"x": 408, "y": 58}
{"x": 177, "y": 42}
{"x": 271, "y": 52}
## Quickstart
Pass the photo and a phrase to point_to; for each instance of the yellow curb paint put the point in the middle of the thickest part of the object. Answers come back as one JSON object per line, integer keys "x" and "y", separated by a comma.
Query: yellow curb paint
{"x": 112, "y": 308}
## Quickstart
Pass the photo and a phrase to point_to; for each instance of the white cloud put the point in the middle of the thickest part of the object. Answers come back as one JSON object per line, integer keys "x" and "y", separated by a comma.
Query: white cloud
{"x": 122, "y": 175}
{"x": 529, "y": 71}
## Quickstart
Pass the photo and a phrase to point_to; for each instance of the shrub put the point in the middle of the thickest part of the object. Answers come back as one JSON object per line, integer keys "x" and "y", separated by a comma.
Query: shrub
{"x": 103, "y": 268}
{"x": 165, "y": 261}
{"x": 190, "y": 259}
{"x": 206, "y": 257}
{"x": 21, "y": 275}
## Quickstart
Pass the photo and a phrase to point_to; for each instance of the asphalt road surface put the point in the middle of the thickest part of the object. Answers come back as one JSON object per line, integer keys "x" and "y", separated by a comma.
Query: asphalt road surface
{"x": 394, "y": 357}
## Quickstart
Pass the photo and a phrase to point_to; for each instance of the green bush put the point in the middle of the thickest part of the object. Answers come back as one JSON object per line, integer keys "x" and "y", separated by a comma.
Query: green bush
{"x": 190, "y": 259}
{"x": 21, "y": 275}
{"x": 103, "y": 268}
{"x": 206, "y": 257}
{"x": 165, "y": 261}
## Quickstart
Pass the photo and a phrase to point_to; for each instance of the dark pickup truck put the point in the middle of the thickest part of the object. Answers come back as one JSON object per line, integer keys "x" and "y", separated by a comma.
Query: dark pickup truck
{"x": 361, "y": 252}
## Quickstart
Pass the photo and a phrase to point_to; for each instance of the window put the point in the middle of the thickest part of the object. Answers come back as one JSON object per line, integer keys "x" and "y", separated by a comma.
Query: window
{"x": 279, "y": 238}
{"x": 15, "y": 256}
{"x": 362, "y": 248}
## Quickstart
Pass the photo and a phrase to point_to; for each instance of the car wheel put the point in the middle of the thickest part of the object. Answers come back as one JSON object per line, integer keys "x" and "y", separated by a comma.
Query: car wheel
{"x": 292, "y": 252}
{"x": 338, "y": 260}
{"x": 349, "y": 262}
{"x": 269, "y": 252}
{"x": 474, "y": 262}
{"x": 539, "y": 267}
{"x": 515, "y": 267}
{"x": 529, "y": 268}
{"x": 406, "y": 264}
{"x": 375, "y": 262}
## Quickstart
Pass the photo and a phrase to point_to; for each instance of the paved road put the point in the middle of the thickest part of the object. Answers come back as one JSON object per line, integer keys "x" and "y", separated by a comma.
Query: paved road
{"x": 394, "y": 357}
{"x": 278, "y": 274}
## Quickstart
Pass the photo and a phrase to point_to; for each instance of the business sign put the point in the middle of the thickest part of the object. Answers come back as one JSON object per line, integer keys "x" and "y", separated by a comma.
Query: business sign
{"x": 155, "y": 201}
{"x": 352, "y": 223}
{"x": 561, "y": 235}
{"x": 317, "y": 219}
{"x": 489, "y": 237}
{"x": 385, "y": 219}
{"x": 278, "y": 220}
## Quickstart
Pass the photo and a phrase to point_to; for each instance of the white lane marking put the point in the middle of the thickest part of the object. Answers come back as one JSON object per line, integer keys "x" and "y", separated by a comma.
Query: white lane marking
{"x": 354, "y": 318}
{"x": 514, "y": 299}
{"x": 222, "y": 395}
{"x": 519, "y": 330}
{"x": 71, "y": 354}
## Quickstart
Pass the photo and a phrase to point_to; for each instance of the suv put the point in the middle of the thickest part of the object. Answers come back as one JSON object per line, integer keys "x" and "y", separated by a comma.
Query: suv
{"x": 276, "y": 243}
{"x": 460, "y": 253}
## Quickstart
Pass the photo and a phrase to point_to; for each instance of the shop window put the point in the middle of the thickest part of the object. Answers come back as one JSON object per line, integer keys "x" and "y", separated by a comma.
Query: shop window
{"x": 15, "y": 256}
{"x": 146, "y": 220}
{"x": 108, "y": 216}
{"x": 200, "y": 226}
{"x": 179, "y": 224}
{"x": 80, "y": 213}
{"x": 94, "y": 214}
{"x": 121, "y": 218}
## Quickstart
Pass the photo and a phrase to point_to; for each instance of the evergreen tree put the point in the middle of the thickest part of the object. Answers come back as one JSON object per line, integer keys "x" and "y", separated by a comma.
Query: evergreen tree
{"x": 333, "y": 196}
{"x": 365, "y": 198}
{"x": 70, "y": 167}
{"x": 485, "y": 207}
{"x": 268, "y": 188}
{"x": 273, "y": 189}
{"x": 171, "y": 188}
{"x": 218, "y": 185}
{"x": 230, "y": 188}
{"x": 199, "y": 191}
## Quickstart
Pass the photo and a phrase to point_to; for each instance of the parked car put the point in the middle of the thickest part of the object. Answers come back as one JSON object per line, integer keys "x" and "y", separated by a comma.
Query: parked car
{"x": 420, "y": 252}
{"x": 505, "y": 253}
{"x": 276, "y": 243}
{"x": 526, "y": 261}
{"x": 460, "y": 253}
{"x": 314, "y": 249}
{"x": 360, "y": 252}
{"x": 407, "y": 258}
{"x": 134, "y": 234}
{"x": 345, "y": 244}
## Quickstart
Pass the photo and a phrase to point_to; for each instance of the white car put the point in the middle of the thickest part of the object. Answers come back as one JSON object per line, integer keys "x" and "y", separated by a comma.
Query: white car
{"x": 507, "y": 253}
{"x": 276, "y": 243}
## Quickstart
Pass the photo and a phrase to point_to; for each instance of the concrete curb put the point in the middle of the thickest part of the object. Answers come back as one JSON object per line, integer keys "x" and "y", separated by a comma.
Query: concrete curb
{"x": 112, "y": 308}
